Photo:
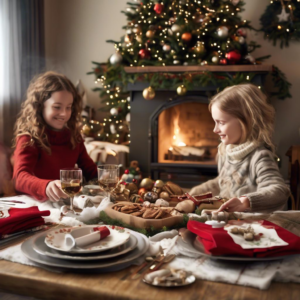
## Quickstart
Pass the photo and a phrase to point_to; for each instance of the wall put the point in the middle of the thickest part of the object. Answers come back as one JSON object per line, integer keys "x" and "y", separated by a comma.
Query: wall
{"x": 76, "y": 31}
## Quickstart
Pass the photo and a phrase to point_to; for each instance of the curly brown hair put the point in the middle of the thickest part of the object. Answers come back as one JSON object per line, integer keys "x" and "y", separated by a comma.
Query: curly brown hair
{"x": 249, "y": 105}
{"x": 30, "y": 119}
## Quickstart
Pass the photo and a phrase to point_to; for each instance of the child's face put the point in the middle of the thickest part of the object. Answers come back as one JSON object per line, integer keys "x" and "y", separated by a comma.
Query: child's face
{"x": 58, "y": 109}
{"x": 226, "y": 126}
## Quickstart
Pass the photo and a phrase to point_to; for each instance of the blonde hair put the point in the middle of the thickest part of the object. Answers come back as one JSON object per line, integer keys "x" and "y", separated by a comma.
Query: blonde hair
{"x": 30, "y": 120}
{"x": 249, "y": 105}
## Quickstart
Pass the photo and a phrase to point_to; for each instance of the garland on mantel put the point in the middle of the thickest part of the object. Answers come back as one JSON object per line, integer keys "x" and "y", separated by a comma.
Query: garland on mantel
{"x": 281, "y": 22}
{"x": 117, "y": 78}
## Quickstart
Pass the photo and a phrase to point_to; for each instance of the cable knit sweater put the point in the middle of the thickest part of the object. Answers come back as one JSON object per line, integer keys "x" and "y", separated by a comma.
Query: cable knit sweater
{"x": 34, "y": 168}
{"x": 251, "y": 171}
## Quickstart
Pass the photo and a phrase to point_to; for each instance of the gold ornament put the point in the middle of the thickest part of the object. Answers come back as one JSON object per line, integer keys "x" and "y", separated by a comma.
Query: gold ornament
{"x": 148, "y": 93}
{"x": 181, "y": 90}
{"x": 165, "y": 196}
{"x": 159, "y": 184}
{"x": 150, "y": 34}
{"x": 146, "y": 183}
{"x": 139, "y": 38}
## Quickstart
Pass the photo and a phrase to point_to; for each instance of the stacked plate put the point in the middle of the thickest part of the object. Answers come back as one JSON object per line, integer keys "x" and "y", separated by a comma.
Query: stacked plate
{"x": 117, "y": 251}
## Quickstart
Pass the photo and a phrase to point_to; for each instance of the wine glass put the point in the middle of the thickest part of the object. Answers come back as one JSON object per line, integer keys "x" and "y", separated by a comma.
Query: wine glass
{"x": 71, "y": 183}
{"x": 108, "y": 177}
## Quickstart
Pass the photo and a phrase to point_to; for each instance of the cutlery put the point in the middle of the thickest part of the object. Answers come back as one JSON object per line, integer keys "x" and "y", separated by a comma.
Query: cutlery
{"x": 149, "y": 261}
{"x": 144, "y": 268}
{"x": 166, "y": 259}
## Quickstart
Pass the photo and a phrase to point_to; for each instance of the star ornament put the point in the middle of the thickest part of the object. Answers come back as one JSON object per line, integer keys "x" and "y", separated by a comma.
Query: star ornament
{"x": 283, "y": 17}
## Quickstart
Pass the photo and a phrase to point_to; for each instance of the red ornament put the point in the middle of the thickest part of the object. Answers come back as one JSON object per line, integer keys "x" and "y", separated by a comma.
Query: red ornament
{"x": 142, "y": 191}
{"x": 144, "y": 54}
{"x": 126, "y": 171}
{"x": 134, "y": 180}
{"x": 233, "y": 56}
{"x": 186, "y": 37}
{"x": 158, "y": 8}
{"x": 223, "y": 61}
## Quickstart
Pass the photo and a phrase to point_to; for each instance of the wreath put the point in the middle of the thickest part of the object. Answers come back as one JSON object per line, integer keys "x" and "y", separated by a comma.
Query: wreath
{"x": 281, "y": 21}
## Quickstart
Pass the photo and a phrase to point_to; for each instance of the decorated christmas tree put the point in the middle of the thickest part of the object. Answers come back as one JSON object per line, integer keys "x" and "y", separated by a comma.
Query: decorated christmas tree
{"x": 175, "y": 33}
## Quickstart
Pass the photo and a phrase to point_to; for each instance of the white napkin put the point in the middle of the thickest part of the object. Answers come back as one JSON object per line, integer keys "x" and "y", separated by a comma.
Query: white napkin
{"x": 82, "y": 201}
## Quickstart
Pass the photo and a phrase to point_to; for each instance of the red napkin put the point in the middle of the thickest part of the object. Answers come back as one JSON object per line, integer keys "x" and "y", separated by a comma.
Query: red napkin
{"x": 104, "y": 231}
{"x": 21, "y": 219}
{"x": 217, "y": 241}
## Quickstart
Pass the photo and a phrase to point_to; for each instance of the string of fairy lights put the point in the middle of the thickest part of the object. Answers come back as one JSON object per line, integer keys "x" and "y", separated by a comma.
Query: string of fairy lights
{"x": 171, "y": 33}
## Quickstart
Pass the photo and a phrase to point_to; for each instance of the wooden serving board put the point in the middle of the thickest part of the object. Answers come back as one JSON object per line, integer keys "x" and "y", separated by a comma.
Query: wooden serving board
{"x": 139, "y": 222}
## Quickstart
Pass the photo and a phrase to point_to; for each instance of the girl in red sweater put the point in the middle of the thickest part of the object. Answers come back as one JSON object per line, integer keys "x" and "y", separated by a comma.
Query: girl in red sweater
{"x": 47, "y": 137}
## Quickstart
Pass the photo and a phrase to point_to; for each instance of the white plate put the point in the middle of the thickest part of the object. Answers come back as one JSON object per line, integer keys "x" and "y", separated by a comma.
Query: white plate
{"x": 107, "y": 265}
{"x": 40, "y": 247}
{"x": 55, "y": 239}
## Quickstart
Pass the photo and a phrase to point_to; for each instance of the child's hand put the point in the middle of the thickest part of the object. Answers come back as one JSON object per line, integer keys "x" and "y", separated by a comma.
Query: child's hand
{"x": 235, "y": 204}
{"x": 54, "y": 191}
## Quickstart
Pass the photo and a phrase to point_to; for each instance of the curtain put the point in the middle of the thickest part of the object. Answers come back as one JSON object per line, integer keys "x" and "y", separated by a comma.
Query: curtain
{"x": 21, "y": 57}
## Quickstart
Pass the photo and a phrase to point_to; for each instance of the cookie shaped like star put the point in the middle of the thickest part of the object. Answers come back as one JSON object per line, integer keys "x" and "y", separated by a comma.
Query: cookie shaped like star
{"x": 283, "y": 17}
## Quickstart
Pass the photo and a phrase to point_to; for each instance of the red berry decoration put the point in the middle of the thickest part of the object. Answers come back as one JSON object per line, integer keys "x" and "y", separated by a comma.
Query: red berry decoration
{"x": 158, "y": 8}
{"x": 144, "y": 54}
{"x": 126, "y": 171}
{"x": 242, "y": 32}
{"x": 223, "y": 61}
{"x": 233, "y": 56}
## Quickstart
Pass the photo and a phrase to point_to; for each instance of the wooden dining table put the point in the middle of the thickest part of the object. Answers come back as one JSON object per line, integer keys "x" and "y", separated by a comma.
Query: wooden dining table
{"x": 31, "y": 281}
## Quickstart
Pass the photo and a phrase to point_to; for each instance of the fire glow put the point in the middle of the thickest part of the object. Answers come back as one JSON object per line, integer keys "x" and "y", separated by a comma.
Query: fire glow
{"x": 176, "y": 137}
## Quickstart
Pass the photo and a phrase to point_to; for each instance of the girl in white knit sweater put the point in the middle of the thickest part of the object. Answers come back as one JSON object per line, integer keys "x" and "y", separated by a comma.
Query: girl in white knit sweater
{"x": 248, "y": 174}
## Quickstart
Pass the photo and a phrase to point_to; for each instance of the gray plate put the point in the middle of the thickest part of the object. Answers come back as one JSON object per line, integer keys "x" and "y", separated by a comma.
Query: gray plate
{"x": 116, "y": 263}
{"x": 41, "y": 248}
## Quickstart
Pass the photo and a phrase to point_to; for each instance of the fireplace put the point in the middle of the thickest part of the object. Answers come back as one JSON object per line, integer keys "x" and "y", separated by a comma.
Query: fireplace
{"x": 185, "y": 132}
{"x": 172, "y": 136}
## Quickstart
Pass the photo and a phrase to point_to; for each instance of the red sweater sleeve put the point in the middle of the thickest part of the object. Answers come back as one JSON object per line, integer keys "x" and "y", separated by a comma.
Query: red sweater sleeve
{"x": 89, "y": 168}
{"x": 25, "y": 160}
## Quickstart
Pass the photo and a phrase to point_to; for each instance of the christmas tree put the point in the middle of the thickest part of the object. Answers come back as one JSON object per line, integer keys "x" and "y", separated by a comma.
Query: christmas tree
{"x": 172, "y": 33}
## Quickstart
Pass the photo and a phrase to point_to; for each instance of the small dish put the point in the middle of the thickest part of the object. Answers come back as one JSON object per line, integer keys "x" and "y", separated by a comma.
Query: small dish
{"x": 149, "y": 279}
{"x": 55, "y": 239}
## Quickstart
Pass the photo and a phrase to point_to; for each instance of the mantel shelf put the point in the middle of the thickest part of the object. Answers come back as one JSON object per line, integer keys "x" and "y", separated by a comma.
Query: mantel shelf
{"x": 210, "y": 68}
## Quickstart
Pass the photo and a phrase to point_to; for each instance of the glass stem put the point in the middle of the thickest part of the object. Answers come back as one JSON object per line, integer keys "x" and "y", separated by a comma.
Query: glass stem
{"x": 71, "y": 203}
